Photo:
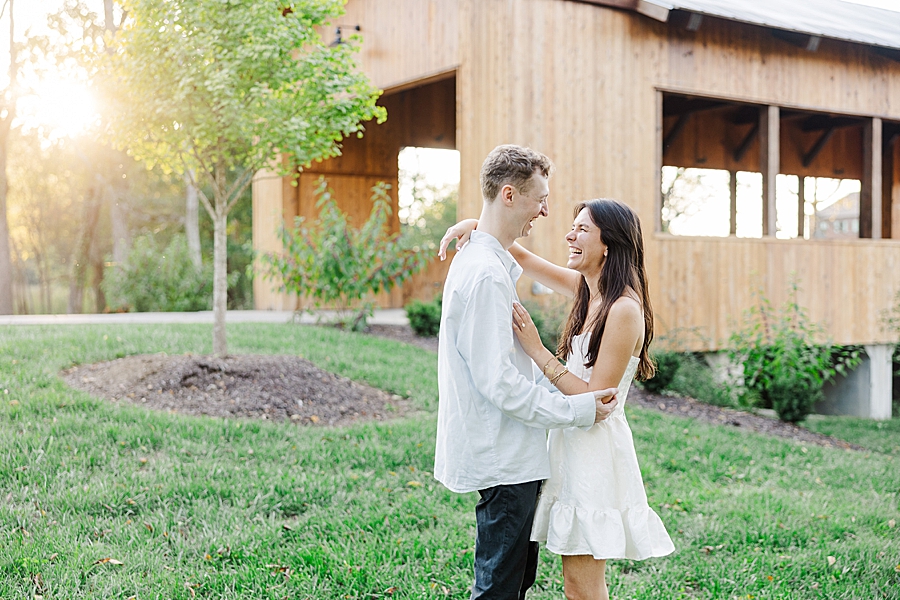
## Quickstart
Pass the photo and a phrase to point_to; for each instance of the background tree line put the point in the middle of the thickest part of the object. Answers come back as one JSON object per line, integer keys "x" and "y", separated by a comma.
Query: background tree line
{"x": 75, "y": 206}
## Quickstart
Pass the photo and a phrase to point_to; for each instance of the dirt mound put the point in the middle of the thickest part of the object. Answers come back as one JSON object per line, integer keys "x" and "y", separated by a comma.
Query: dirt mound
{"x": 262, "y": 387}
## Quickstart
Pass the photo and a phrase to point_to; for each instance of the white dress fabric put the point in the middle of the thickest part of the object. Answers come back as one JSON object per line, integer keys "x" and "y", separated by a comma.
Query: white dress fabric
{"x": 594, "y": 501}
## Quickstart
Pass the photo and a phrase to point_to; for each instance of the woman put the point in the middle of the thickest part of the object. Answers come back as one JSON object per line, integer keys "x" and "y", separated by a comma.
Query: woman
{"x": 593, "y": 506}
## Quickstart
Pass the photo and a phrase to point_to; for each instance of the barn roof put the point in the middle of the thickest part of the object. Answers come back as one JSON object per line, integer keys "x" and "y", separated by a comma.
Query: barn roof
{"x": 835, "y": 19}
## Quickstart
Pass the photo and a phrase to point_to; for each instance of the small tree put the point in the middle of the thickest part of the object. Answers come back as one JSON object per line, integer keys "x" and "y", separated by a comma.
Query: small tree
{"x": 335, "y": 264}
{"x": 222, "y": 88}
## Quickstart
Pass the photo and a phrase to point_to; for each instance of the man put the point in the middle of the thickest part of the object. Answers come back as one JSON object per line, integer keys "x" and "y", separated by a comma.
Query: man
{"x": 492, "y": 414}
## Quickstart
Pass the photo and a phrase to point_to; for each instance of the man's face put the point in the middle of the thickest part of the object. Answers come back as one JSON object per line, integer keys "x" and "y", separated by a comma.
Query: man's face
{"x": 533, "y": 203}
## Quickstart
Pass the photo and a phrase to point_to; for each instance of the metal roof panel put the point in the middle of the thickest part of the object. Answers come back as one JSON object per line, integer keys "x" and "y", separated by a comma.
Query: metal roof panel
{"x": 826, "y": 18}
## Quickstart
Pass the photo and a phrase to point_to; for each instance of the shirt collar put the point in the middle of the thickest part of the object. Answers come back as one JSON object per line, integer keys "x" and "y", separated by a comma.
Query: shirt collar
{"x": 489, "y": 241}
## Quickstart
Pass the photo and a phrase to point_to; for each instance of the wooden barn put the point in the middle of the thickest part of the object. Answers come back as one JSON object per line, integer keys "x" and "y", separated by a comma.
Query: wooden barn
{"x": 616, "y": 90}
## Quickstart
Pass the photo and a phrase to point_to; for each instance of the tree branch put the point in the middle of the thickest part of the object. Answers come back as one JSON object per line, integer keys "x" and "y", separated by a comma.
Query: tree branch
{"x": 206, "y": 203}
{"x": 239, "y": 193}
{"x": 238, "y": 187}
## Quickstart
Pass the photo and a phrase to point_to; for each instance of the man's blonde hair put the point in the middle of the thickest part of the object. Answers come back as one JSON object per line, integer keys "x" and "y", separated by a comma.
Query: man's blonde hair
{"x": 512, "y": 165}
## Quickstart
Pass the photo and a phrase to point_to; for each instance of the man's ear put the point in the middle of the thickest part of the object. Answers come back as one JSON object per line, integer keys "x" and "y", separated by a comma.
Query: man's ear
{"x": 506, "y": 194}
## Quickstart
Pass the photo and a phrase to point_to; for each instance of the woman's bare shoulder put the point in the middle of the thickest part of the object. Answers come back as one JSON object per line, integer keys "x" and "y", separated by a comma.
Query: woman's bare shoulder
{"x": 626, "y": 308}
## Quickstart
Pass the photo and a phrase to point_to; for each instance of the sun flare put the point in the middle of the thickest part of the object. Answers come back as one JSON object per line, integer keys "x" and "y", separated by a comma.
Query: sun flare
{"x": 59, "y": 107}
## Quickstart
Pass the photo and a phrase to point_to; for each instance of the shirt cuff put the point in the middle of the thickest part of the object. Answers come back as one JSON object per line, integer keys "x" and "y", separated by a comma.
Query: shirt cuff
{"x": 585, "y": 410}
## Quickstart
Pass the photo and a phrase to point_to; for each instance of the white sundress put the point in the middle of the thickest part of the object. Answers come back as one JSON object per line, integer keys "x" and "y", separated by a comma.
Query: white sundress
{"x": 594, "y": 501}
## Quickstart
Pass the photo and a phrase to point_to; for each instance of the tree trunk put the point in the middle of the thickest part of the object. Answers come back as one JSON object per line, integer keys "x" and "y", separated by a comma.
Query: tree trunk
{"x": 99, "y": 296}
{"x": 6, "y": 271}
{"x": 110, "y": 25}
{"x": 21, "y": 280}
{"x": 82, "y": 255}
{"x": 116, "y": 196}
{"x": 192, "y": 220}
{"x": 220, "y": 261}
{"x": 117, "y": 211}
{"x": 220, "y": 279}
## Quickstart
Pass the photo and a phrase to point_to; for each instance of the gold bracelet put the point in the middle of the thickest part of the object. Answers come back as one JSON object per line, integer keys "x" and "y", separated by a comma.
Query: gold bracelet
{"x": 556, "y": 378}
{"x": 547, "y": 364}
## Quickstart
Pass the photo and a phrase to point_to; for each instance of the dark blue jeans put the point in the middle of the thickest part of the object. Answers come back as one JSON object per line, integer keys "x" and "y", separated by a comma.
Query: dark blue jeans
{"x": 505, "y": 557}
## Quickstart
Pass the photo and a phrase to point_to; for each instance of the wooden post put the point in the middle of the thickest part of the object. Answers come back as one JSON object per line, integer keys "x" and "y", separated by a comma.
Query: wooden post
{"x": 769, "y": 163}
{"x": 870, "y": 196}
{"x": 732, "y": 190}
{"x": 801, "y": 204}
{"x": 895, "y": 189}
{"x": 870, "y": 205}
{"x": 887, "y": 188}
{"x": 657, "y": 195}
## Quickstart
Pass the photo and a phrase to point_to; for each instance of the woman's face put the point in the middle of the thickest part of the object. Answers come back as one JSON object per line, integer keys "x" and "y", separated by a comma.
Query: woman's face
{"x": 586, "y": 248}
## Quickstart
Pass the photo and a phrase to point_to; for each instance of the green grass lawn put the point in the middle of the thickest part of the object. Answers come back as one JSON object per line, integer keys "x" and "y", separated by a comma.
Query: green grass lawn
{"x": 210, "y": 508}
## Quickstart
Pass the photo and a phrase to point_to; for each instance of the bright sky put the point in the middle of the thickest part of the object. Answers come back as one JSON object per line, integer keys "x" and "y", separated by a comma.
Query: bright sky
{"x": 437, "y": 168}
{"x": 59, "y": 104}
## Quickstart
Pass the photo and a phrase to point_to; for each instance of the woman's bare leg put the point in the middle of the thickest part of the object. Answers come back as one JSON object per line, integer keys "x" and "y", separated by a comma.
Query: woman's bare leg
{"x": 584, "y": 578}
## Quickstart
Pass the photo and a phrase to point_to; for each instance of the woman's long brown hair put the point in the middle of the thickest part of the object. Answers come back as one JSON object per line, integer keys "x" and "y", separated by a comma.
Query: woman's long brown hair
{"x": 620, "y": 230}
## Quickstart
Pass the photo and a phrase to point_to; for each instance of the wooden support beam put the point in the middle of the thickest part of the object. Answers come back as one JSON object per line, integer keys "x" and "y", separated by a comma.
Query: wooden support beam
{"x": 658, "y": 198}
{"x": 817, "y": 147}
{"x": 895, "y": 192}
{"x": 870, "y": 206}
{"x": 732, "y": 191}
{"x": 769, "y": 162}
{"x": 810, "y": 43}
{"x": 745, "y": 143}
{"x": 694, "y": 22}
{"x": 887, "y": 188}
{"x": 676, "y": 130}
{"x": 801, "y": 205}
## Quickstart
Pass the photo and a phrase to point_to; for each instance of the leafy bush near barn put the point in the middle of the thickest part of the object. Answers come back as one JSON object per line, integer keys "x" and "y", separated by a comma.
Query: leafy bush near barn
{"x": 329, "y": 263}
{"x": 786, "y": 357}
{"x": 424, "y": 317}
{"x": 667, "y": 364}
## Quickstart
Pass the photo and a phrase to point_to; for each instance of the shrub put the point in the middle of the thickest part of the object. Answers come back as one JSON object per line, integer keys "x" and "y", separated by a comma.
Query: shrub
{"x": 334, "y": 264}
{"x": 896, "y": 391}
{"x": 793, "y": 398}
{"x": 891, "y": 320}
{"x": 667, "y": 364}
{"x": 695, "y": 378}
{"x": 782, "y": 353}
{"x": 153, "y": 279}
{"x": 424, "y": 317}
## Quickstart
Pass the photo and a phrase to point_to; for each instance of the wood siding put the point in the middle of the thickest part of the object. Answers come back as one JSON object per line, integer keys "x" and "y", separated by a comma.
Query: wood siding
{"x": 421, "y": 116}
{"x": 585, "y": 84}
{"x": 405, "y": 41}
{"x": 581, "y": 82}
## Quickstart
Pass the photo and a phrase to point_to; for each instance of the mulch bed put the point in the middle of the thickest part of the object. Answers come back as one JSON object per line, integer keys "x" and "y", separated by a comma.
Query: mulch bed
{"x": 276, "y": 388}
{"x": 291, "y": 388}
{"x": 717, "y": 415}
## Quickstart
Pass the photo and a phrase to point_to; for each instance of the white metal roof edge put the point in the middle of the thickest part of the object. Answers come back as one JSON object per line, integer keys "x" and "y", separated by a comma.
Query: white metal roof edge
{"x": 832, "y": 19}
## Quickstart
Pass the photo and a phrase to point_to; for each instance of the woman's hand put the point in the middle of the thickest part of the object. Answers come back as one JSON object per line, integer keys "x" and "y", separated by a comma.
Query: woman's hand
{"x": 462, "y": 231}
{"x": 526, "y": 331}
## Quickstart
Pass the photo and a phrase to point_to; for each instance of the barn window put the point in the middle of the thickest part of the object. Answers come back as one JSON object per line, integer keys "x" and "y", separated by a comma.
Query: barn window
{"x": 427, "y": 193}
{"x": 746, "y": 170}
